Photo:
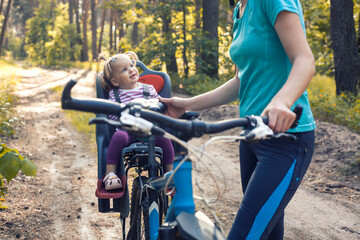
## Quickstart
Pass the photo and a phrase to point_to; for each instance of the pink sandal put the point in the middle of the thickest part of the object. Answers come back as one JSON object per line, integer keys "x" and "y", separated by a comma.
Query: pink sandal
{"x": 112, "y": 181}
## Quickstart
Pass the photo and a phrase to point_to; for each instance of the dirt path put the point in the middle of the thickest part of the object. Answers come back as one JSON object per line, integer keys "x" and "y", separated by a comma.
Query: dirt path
{"x": 60, "y": 203}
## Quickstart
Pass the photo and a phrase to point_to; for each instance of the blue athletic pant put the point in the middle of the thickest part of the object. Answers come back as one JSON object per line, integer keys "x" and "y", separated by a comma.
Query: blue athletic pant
{"x": 271, "y": 171}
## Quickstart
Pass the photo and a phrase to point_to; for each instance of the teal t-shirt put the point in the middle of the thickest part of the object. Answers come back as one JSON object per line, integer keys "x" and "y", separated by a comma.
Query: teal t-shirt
{"x": 262, "y": 61}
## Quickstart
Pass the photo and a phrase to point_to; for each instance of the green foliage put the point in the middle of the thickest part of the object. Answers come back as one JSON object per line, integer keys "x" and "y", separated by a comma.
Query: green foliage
{"x": 3, "y": 191}
{"x": 48, "y": 38}
{"x": 197, "y": 84}
{"x": 16, "y": 47}
{"x": 8, "y": 81}
{"x": 342, "y": 109}
{"x": 317, "y": 22}
{"x": 11, "y": 162}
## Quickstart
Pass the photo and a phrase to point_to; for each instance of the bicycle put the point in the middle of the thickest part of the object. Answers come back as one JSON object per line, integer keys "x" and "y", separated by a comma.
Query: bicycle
{"x": 142, "y": 156}
{"x": 181, "y": 222}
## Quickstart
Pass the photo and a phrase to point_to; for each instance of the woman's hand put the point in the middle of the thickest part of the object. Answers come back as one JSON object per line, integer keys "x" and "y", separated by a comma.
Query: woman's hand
{"x": 175, "y": 106}
{"x": 280, "y": 117}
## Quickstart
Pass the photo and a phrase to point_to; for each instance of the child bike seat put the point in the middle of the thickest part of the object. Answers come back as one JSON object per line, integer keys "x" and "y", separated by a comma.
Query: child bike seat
{"x": 162, "y": 84}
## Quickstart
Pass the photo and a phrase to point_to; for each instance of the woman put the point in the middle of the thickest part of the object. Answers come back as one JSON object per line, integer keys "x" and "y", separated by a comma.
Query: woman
{"x": 274, "y": 67}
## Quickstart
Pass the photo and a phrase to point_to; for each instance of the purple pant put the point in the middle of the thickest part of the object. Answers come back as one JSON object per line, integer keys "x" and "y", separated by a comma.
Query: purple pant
{"x": 122, "y": 139}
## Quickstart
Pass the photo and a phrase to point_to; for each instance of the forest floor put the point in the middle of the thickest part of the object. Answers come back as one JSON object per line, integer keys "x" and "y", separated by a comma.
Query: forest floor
{"x": 60, "y": 202}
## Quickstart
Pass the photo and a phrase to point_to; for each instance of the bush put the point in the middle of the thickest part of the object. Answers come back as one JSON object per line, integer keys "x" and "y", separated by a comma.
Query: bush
{"x": 8, "y": 81}
{"x": 343, "y": 109}
{"x": 11, "y": 162}
{"x": 196, "y": 84}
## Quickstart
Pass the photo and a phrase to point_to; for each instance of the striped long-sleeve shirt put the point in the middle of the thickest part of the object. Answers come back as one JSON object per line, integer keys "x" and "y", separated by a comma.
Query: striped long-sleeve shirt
{"x": 126, "y": 95}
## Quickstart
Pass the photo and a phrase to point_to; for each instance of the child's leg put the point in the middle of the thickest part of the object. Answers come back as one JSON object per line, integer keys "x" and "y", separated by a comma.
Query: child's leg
{"x": 119, "y": 140}
{"x": 168, "y": 152}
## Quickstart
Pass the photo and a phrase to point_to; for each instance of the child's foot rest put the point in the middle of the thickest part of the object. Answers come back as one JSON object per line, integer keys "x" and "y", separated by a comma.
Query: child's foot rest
{"x": 104, "y": 194}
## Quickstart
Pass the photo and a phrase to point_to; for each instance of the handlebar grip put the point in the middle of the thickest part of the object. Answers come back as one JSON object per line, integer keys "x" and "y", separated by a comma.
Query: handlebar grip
{"x": 161, "y": 107}
{"x": 265, "y": 120}
{"x": 297, "y": 110}
{"x": 66, "y": 94}
{"x": 89, "y": 105}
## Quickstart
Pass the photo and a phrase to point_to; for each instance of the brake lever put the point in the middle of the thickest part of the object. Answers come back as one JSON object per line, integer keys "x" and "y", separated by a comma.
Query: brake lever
{"x": 101, "y": 120}
{"x": 283, "y": 135}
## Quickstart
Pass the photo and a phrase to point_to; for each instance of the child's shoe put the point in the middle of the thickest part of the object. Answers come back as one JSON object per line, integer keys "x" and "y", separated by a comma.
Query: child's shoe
{"x": 112, "y": 181}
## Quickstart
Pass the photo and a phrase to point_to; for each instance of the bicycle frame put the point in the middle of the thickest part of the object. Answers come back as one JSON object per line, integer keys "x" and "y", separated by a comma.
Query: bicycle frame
{"x": 183, "y": 198}
{"x": 182, "y": 202}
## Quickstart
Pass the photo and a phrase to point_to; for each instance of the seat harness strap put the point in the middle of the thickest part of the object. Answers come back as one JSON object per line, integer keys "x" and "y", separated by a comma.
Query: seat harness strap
{"x": 146, "y": 93}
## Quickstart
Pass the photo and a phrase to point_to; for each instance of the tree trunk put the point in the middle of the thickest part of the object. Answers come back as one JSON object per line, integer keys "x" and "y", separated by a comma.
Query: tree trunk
{"x": 359, "y": 35}
{"x": 135, "y": 34}
{"x": 197, "y": 34}
{"x": 71, "y": 11}
{"x": 210, "y": 51}
{"x": 102, "y": 28}
{"x": 186, "y": 64}
{"x": 170, "y": 50}
{"x": 115, "y": 29}
{"x": 52, "y": 13}
{"x": 111, "y": 29}
{"x": 93, "y": 30}
{"x": 71, "y": 21}
{"x": 84, "y": 49}
{"x": 346, "y": 57}
{"x": 6, "y": 19}
{"x": 77, "y": 17}
{"x": 122, "y": 33}
{"x": 1, "y": 6}
{"x": 52, "y": 9}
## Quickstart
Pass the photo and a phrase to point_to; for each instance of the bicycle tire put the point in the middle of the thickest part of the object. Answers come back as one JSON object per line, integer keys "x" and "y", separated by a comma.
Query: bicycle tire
{"x": 137, "y": 212}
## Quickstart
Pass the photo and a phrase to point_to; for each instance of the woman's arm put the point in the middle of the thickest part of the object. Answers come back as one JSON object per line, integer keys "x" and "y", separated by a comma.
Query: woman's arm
{"x": 228, "y": 92}
{"x": 293, "y": 39}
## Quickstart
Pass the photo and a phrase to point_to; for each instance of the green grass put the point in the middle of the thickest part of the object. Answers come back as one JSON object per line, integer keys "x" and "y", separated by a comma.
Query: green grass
{"x": 10, "y": 75}
{"x": 80, "y": 120}
{"x": 343, "y": 109}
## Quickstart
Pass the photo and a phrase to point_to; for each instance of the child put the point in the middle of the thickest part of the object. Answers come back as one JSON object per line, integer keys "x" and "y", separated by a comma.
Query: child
{"x": 120, "y": 79}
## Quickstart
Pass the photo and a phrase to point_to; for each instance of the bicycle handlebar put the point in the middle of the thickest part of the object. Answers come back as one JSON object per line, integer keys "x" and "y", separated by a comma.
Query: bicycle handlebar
{"x": 93, "y": 105}
{"x": 190, "y": 128}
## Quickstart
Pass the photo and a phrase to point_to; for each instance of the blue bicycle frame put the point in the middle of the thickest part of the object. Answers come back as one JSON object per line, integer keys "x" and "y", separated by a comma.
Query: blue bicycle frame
{"x": 183, "y": 198}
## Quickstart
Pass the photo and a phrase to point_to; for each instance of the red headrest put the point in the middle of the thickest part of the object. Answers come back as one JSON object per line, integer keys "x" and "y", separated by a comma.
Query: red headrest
{"x": 155, "y": 80}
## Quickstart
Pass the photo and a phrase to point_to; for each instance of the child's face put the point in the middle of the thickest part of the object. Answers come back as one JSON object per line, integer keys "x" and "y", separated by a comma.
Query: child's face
{"x": 125, "y": 74}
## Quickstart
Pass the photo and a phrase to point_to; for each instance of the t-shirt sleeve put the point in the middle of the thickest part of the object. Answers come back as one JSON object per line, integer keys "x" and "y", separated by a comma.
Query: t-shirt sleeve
{"x": 273, "y": 7}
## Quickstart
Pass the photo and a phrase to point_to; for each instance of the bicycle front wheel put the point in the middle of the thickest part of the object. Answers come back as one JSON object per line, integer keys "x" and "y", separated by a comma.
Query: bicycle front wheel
{"x": 139, "y": 212}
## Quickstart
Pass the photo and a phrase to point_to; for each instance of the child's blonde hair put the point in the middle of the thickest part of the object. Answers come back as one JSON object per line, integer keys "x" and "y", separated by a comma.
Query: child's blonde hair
{"x": 105, "y": 81}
